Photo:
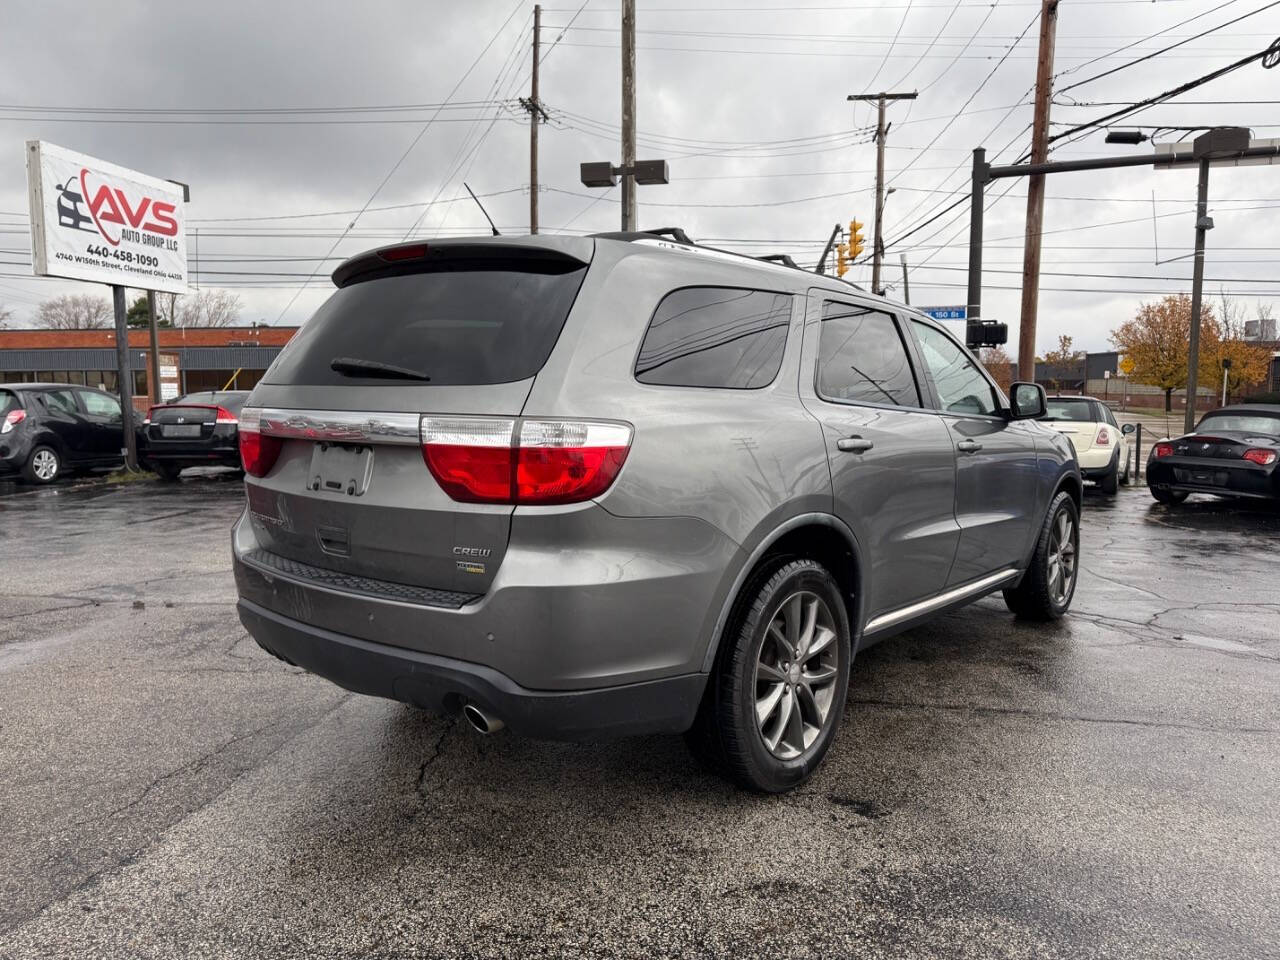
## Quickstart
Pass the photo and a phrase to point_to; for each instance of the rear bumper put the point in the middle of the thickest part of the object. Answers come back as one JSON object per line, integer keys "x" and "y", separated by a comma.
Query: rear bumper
{"x": 1216, "y": 477}
{"x": 443, "y": 685}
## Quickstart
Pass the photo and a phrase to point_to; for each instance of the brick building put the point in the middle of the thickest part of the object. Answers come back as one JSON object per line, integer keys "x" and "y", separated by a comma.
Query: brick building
{"x": 207, "y": 358}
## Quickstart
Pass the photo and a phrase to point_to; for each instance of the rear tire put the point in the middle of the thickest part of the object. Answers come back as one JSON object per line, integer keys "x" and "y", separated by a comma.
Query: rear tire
{"x": 1169, "y": 496}
{"x": 769, "y": 716}
{"x": 167, "y": 472}
{"x": 1050, "y": 582}
{"x": 43, "y": 466}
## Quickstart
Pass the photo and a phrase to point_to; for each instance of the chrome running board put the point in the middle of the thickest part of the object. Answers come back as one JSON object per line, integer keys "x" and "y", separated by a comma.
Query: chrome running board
{"x": 941, "y": 600}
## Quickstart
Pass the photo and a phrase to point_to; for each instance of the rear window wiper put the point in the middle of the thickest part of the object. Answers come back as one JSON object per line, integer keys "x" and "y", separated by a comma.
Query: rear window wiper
{"x": 354, "y": 367}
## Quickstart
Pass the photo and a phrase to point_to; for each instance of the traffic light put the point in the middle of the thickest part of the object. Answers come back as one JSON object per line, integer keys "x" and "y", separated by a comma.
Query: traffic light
{"x": 857, "y": 243}
{"x": 842, "y": 259}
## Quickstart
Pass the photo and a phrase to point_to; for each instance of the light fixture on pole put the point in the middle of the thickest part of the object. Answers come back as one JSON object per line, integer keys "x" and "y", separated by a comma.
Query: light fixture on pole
{"x": 604, "y": 174}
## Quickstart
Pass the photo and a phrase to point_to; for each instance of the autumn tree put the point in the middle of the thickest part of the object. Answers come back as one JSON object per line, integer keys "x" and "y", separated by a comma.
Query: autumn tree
{"x": 1250, "y": 361}
{"x": 1157, "y": 341}
{"x": 80, "y": 311}
{"x": 999, "y": 364}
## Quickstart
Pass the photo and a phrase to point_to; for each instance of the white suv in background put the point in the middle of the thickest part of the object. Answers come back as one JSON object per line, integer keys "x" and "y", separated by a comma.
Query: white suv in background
{"x": 1102, "y": 447}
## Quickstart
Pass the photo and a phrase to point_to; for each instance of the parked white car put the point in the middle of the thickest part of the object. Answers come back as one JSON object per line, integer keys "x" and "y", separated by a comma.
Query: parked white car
{"x": 1102, "y": 447}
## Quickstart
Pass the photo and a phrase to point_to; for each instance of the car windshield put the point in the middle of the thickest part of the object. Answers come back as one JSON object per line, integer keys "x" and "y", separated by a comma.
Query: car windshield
{"x": 1078, "y": 411}
{"x": 1241, "y": 422}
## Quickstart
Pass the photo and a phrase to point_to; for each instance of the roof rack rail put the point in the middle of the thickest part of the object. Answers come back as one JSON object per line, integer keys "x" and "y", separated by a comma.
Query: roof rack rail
{"x": 782, "y": 258}
{"x": 679, "y": 236}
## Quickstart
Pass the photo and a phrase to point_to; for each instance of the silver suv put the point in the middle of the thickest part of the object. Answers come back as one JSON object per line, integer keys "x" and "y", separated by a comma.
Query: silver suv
{"x": 597, "y": 486}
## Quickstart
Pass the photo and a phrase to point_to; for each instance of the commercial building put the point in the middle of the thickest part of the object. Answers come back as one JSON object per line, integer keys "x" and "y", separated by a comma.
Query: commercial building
{"x": 192, "y": 359}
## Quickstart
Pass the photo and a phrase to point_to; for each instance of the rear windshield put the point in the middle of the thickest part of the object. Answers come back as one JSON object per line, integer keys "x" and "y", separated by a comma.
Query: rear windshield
{"x": 1080, "y": 411}
{"x": 231, "y": 400}
{"x": 488, "y": 324}
{"x": 1242, "y": 422}
{"x": 8, "y": 401}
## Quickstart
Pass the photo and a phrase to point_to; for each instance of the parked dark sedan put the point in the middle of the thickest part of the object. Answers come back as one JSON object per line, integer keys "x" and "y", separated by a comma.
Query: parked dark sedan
{"x": 195, "y": 430}
{"x": 48, "y": 429}
{"x": 1233, "y": 452}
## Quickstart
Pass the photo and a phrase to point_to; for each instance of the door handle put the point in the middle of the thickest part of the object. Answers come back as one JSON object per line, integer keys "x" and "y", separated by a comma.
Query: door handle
{"x": 854, "y": 445}
{"x": 968, "y": 446}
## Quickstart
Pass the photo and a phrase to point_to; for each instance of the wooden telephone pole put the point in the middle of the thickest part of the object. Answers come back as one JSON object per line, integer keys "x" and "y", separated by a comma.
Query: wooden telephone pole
{"x": 882, "y": 130}
{"x": 1035, "y": 193}
{"x": 536, "y": 116}
{"x": 628, "y": 114}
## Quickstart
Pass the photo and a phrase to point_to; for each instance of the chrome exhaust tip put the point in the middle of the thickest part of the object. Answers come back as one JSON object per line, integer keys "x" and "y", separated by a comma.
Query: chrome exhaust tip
{"x": 480, "y": 720}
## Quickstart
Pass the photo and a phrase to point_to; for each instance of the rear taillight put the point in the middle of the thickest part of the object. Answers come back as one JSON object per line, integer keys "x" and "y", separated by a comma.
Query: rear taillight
{"x": 1263, "y": 458}
{"x": 146, "y": 421}
{"x": 1162, "y": 450}
{"x": 258, "y": 451}
{"x": 225, "y": 416}
{"x": 492, "y": 460}
{"x": 1104, "y": 438}
{"x": 12, "y": 419}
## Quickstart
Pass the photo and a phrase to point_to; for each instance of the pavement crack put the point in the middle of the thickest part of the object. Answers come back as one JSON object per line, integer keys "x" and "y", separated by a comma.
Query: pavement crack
{"x": 1052, "y": 716}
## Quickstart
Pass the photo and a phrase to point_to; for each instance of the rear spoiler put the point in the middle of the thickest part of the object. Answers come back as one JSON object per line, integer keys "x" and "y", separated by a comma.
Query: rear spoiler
{"x": 421, "y": 257}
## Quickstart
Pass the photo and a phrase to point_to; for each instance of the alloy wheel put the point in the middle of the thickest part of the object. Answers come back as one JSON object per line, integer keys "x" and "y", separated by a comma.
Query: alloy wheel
{"x": 1062, "y": 557}
{"x": 795, "y": 675}
{"x": 45, "y": 465}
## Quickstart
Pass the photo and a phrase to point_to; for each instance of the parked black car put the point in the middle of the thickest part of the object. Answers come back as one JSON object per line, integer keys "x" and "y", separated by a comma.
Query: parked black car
{"x": 1233, "y": 452}
{"x": 48, "y": 429}
{"x": 195, "y": 430}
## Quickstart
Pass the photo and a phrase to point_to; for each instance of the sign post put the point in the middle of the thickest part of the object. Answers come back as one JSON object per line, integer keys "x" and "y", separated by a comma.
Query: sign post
{"x": 96, "y": 221}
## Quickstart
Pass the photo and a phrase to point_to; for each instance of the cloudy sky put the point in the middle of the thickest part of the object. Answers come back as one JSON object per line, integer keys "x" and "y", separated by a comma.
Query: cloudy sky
{"x": 288, "y": 118}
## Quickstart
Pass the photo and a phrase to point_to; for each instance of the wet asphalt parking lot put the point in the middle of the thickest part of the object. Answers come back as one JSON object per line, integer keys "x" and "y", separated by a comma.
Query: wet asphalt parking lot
{"x": 1104, "y": 787}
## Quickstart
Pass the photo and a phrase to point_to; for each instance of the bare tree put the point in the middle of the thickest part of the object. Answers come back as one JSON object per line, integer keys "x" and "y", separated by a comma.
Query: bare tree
{"x": 204, "y": 308}
{"x": 75, "y": 312}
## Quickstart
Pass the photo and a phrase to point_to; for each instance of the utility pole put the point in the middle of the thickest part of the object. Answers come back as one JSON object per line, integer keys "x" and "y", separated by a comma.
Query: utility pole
{"x": 906, "y": 285}
{"x": 877, "y": 248}
{"x": 826, "y": 251}
{"x": 628, "y": 114}
{"x": 1035, "y": 192}
{"x": 1203, "y": 225}
{"x": 155, "y": 346}
{"x": 124, "y": 378}
{"x": 536, "y": 116}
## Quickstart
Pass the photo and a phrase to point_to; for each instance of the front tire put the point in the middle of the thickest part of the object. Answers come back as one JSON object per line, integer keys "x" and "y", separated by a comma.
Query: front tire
{"x": 1050, "y": 582}
{"x": 774, "y": 702}
{"x": 1168, "y": 496}
{"x": 167, "y": 472}
{"x": 43, "y": 465}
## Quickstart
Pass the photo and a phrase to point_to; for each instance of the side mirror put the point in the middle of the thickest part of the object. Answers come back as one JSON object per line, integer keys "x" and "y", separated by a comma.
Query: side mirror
{"x": 1027, "y": 401}
{"x": 1128, "y": 428}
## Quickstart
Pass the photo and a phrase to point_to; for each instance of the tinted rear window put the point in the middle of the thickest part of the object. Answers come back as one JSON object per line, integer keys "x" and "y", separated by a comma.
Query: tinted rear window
{"x": 8, "y": 401}
{"x": 231, "y": 400}
{"x": 1075, "y": 411}
{"x": 862, "y": 359}
{"x": 715, "y": 337}
{"x": 490, "y": 324}
{"x": 1241, "y": 422}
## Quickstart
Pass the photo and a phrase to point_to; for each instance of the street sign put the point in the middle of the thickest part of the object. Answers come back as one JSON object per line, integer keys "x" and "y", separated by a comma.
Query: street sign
{"x": 946, "y": 313}
{"x": 1169, "y": 153}
{"x": 92, "y": 220}
{"x": 1126, "y": 366}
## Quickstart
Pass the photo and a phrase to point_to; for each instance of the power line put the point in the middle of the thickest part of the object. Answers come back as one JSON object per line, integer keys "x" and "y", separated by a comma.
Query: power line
{"x": 1174, "y": 46}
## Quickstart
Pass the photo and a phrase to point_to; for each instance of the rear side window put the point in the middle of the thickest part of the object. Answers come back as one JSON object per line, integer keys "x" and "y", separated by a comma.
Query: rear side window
{"x": 491, "y": 323}
{"x": 862, "y": 358}
{"x": 715, "y": 337}
{"x": 9, "y": 401}
{"x": 60, "y": 400}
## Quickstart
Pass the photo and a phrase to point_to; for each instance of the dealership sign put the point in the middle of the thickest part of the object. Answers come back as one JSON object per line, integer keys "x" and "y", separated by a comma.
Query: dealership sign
{"x": 92, "y": 220}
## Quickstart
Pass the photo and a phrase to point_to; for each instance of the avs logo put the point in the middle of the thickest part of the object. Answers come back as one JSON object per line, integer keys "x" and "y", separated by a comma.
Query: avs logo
{"x": 69, "y": 212}
{"x": 111, "y": 212}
